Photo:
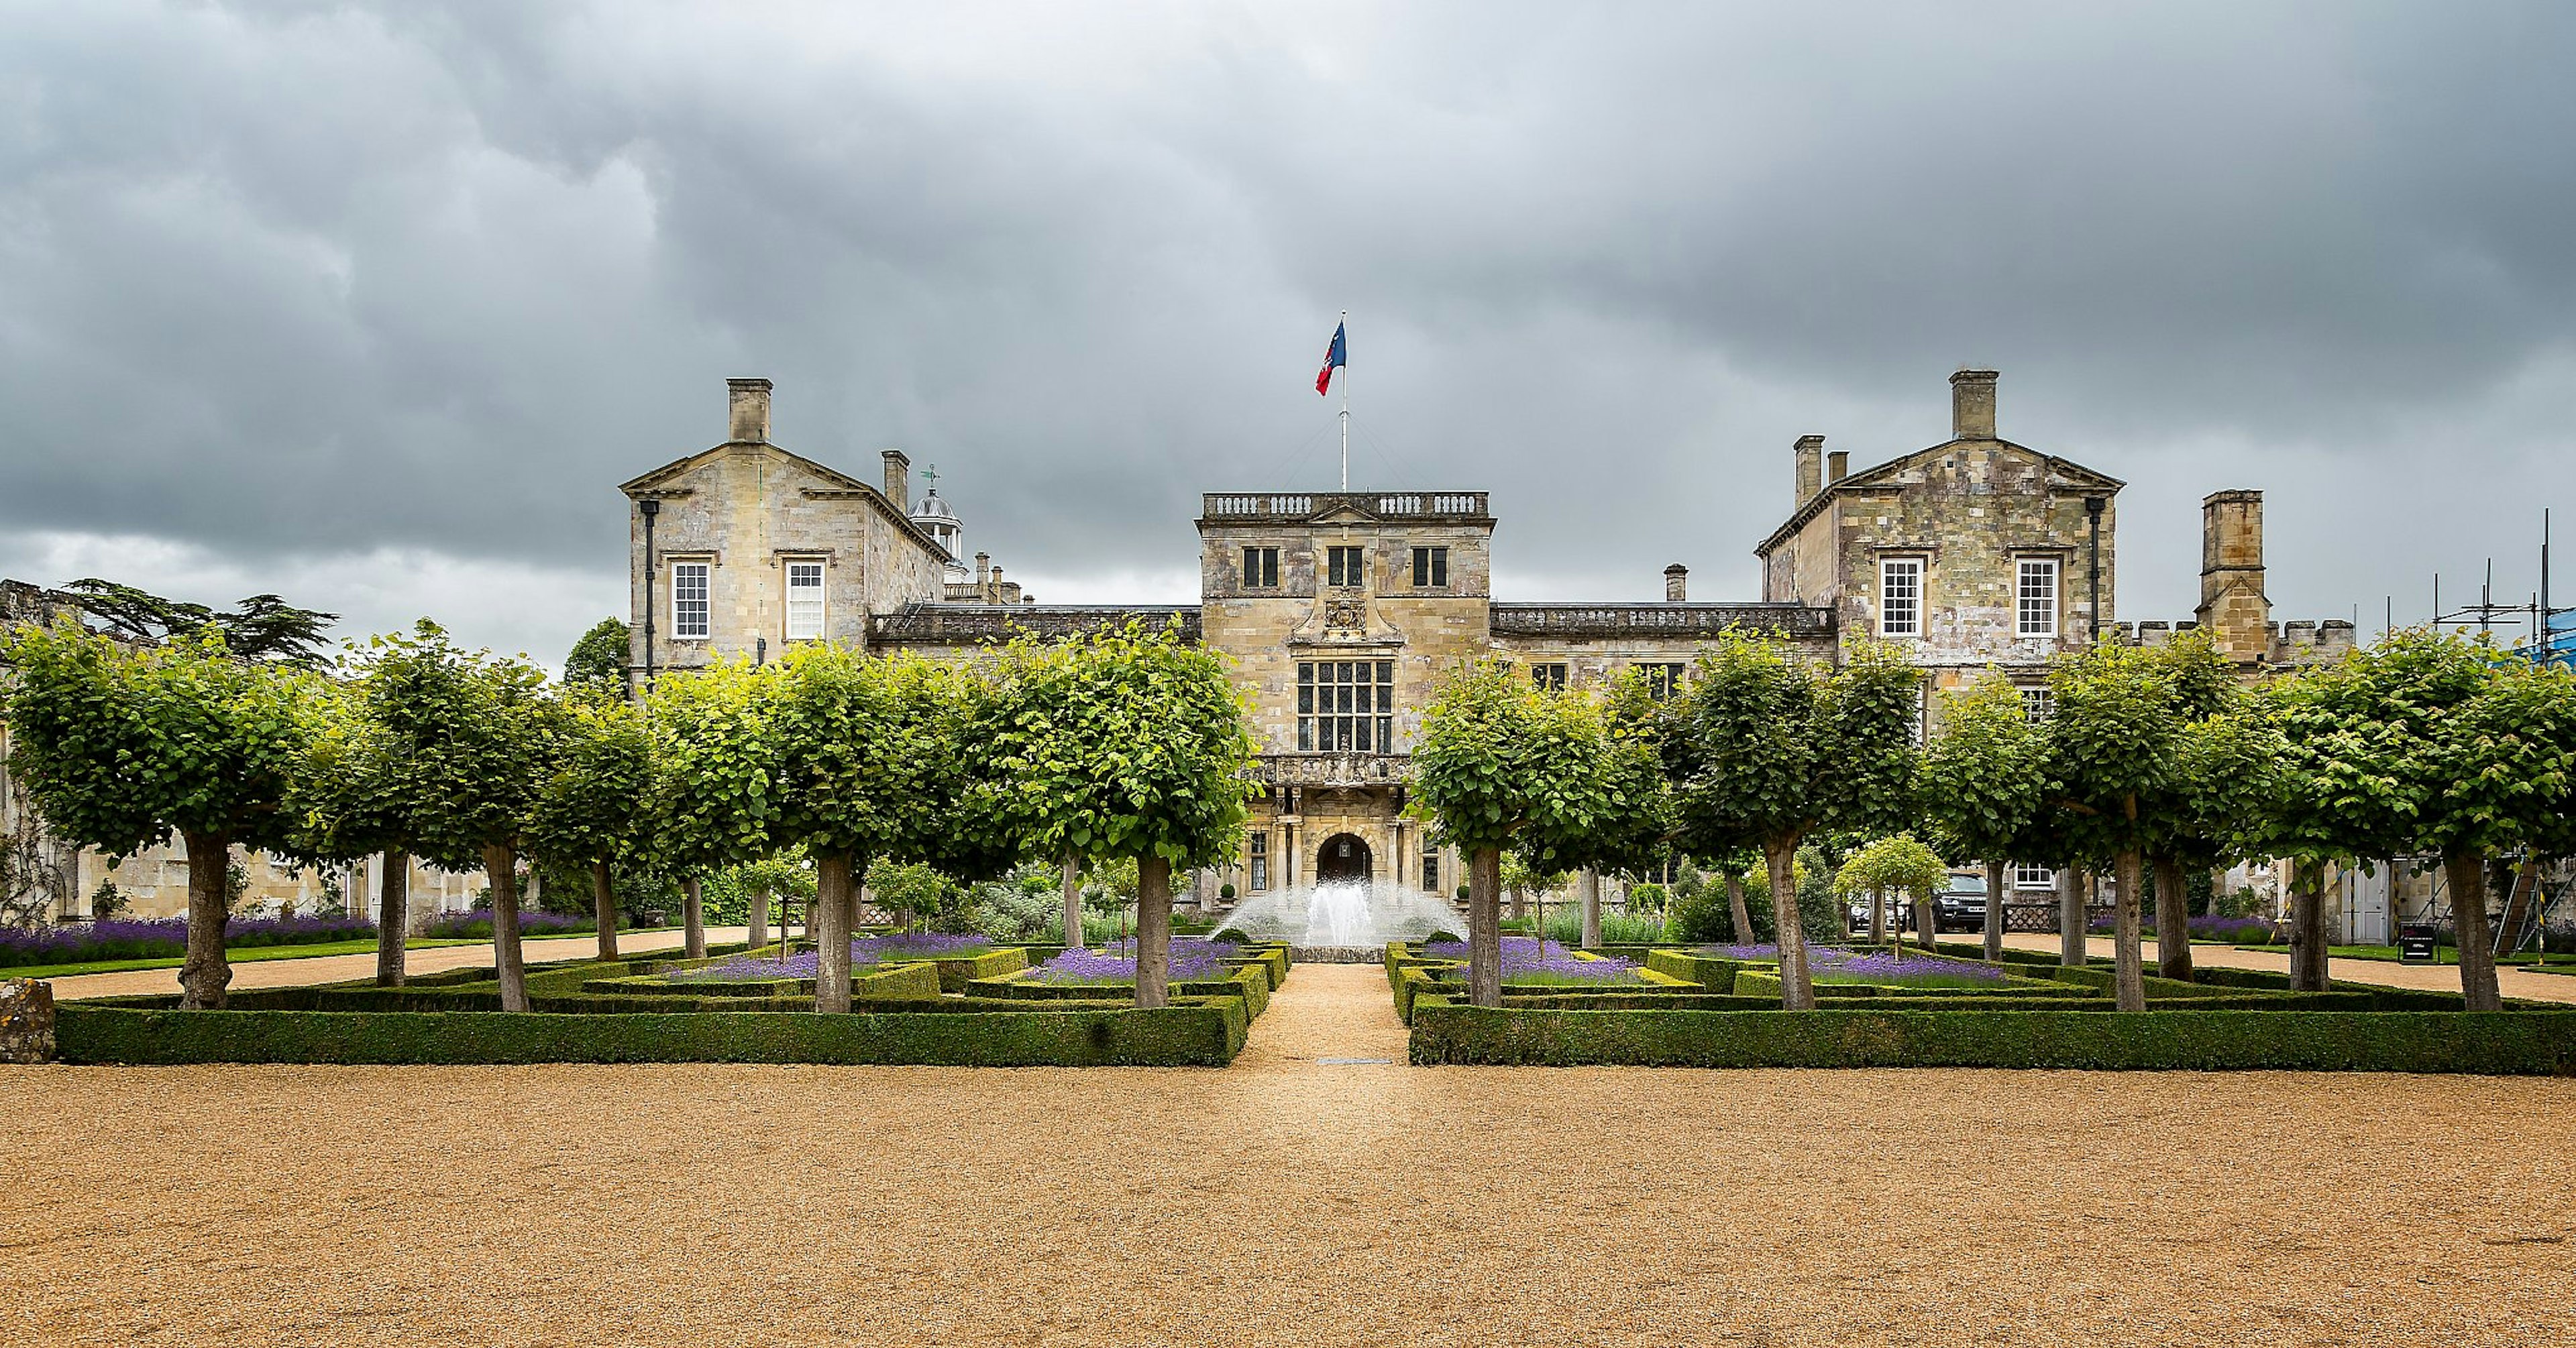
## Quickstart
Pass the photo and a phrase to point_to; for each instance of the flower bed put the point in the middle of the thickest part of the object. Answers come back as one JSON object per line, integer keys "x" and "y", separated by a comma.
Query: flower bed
{"x": 164, "y": 938}
{"x": 1190, "y": 963}
{"x": 476, "y": 925}
{"x": 1884, "y": 969}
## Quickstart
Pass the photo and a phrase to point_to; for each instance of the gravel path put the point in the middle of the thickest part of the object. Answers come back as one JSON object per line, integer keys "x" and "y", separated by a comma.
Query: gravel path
{"x": 341, "y": 968}
{"x": 1280, "y": 1201}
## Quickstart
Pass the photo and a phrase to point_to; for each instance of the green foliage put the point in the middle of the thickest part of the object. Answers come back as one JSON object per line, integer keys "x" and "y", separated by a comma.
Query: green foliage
{"x": 1985, "y": 773}
{"x": 1536, "y": 775}
{"x": 911, "y": 889}
{"x": 2002, "y": 1035}
{"x": 597, "y": 662}
{"x": 1118, "y": 744}
{"x": 717, "y": 767}
{"x": 1647, "y": 898}
{"x": 594, "y": 806}
{"x": 118, "y": 747}
{"x": 1766, "y": 747}
{"x": 2114, "y": 744}
{"x": 1897, "y": 865}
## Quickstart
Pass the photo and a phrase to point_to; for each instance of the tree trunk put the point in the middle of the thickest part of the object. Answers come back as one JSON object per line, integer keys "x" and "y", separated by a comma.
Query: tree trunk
{"x": 2070, "y": 917}
{"x": 1736, "y": 911}
{"x": 693, "y": 919}
{"x": 1877, "y": 917}
{"x": 832, "y": 902}
{"x": 759, "y": 920}
{"x": 206, "y": 973}
{"x": 2173, "y": 922}
{"x": 1995, "y": 873}
{"x": 1797, "y": 987}
{"x": 1520, "y": 904}
{"x": 1924, "y": 921}
{"x": 1153, "y": 931}
{"x": 501, "y": 868}
{"x": 603, "y": 909}
{"x": 1484, "y": 927}
{"x": 1591, "y": 910}
{"x": 393, "y": 918}
{"x": 2308, "y": 927}
{"x": 2130, "y": 980}
{"x": 1072, "y": 902}
{"x": 2464, "y": 870}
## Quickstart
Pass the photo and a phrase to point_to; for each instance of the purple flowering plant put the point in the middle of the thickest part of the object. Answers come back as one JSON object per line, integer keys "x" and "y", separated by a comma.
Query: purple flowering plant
{"x": 1103, "y": 968}
{"x": 166, "y": 937}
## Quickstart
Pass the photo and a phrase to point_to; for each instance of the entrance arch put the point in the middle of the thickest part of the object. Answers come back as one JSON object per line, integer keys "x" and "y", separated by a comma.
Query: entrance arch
{"x": 1344, "y": 857}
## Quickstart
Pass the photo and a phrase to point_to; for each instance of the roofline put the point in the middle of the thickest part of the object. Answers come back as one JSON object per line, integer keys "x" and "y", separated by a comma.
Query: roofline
{"x": 1815, "y": 505}
{"x": 639, "y": 485}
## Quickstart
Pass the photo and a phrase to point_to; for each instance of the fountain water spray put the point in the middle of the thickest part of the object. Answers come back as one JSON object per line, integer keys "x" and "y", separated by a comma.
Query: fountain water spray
{"x": 1345, "y": 915}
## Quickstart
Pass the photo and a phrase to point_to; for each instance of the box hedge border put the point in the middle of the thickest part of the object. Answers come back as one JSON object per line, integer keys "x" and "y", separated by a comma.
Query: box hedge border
{"x": 2508, "y": 1043}
{"x": 1205, "y": 1032}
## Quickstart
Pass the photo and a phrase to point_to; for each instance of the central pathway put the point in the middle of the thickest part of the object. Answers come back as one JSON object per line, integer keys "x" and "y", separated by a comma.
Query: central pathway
{"x": 1332, "y": 1016}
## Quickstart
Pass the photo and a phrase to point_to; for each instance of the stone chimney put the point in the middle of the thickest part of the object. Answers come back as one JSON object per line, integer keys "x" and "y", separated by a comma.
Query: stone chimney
{"x": 747, "y": 400}
{"x": 1676, "y": 583}
{"x": 1811, "y": 468}
{"x": 1837, "y": 465}
{"x": 1972, "y": 405}
{"x": 984, "y": 577}
{"x": 898, "y": 479}
{"x": 2233, "y": 608}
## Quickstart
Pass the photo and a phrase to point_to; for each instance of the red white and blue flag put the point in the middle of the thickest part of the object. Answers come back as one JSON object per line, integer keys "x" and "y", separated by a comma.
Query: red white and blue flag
{"x": 1340, "y": 354}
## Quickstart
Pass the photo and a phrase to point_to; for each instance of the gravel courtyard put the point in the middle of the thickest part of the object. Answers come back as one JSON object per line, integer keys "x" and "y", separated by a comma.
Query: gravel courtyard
{"x": 1282, "y": 1201}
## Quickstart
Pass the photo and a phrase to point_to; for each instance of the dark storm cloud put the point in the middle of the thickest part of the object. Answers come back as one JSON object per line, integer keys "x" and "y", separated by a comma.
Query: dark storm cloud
{"x": 289, "y": 284}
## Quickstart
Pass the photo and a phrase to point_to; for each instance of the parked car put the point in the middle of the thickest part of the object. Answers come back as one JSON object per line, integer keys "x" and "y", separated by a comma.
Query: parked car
{"x": 1962, "y": 907}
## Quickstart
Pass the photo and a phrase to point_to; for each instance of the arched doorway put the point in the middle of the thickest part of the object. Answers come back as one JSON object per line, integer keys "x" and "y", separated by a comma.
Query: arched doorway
{"x": 1343, "y": 857}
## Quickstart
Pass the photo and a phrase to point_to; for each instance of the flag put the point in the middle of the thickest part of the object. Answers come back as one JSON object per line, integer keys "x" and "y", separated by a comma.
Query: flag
{"x": 1340, "y": 354}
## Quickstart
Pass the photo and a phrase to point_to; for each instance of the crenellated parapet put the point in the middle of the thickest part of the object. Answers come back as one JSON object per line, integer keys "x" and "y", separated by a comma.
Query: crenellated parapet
{"x": 998, "y": 624}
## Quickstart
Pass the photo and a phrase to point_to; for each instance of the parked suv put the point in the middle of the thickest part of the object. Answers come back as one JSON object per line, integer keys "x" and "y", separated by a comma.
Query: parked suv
{"x": 1962, "y": 907}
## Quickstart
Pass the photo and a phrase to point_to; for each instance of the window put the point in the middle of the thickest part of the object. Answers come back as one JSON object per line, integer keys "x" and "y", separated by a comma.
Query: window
{"x": 1431, "y": 871}
{"x": 804, "y": 601}
{"x": 689, "y": 601}
{"x": 2037, "y": 598}
{"x": 1900, "y": 597}
{"x": 1431, "y": 568}
{"x": 2036, "y": 704}
{"x": 1344, "y": 567}
{"x": 1346, "y": 706}
{"x": 2034, "y": 877}
{"x": 1662, "y": 681}
{"x": 1260, "y": 862}
{"x": 1261, "y": 568}
{"x": 1549, "y": 678}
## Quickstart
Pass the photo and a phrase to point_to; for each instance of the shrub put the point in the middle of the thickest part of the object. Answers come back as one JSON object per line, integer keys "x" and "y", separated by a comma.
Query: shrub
{"x": 2496, "y": 1043}
{"x": 476, "y": 925}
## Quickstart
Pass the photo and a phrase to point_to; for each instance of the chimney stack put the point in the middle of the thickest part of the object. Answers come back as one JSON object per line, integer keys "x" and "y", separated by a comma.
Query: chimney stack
{"x": 1811, "y": 468}
{"x": 984, "y": 577}
{"x": 898, "y": 479}
{"x": 1838, "y": 465}
{"x": 747, "y": 402}
{"x": 1676, "y": 583}
{"x": 2234, "y": 610}
{"x": 1972, "y": 405}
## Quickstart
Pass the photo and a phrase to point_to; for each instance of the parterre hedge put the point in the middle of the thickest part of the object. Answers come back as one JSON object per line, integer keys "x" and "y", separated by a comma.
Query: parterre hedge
{"x": 1204, "y": 1032}
{"x": 2490, "y": 1043}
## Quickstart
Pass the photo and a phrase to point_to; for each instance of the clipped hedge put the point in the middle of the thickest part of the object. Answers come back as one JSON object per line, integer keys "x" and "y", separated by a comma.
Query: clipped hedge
{"x": 1251, "y": 982}
{"x": 1202, "y": 1033}
{"x": 2510, "y": 1043}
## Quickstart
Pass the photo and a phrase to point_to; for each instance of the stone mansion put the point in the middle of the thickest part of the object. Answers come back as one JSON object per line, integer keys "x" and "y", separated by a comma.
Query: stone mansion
{"x": 1338, "y": 610}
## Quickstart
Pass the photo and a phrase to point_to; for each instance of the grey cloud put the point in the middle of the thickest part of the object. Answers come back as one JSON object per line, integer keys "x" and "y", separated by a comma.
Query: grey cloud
{"x": 297, "y": 282}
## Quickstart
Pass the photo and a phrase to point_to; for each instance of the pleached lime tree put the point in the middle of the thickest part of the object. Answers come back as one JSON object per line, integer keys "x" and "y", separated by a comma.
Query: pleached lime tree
{"x": 594, "y": 810}
{"x": 121, "y": 747}
{"x": 1899, "y": 865}
{"x": 1984, "y": 783}
{"x": 1631, "y": 829}
{"x": 1126, "y": 744}
{"x": 2424, "y": 742}
{"x": 717, "y": 787}
{"x": 2194, "y": 819}
{"x": 1502, "y": 766}
{"x": 1767, "y": 748}
{"x": 377, "y": 774}
{"x": 2115, "y": 743}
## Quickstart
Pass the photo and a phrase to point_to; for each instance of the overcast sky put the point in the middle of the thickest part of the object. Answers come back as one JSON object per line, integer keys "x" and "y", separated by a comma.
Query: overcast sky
{"x": 373, "y": 306}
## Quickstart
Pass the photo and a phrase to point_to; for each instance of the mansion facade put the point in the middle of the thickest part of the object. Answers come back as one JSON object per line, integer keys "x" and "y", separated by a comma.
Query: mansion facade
{"x": 1339, "y": 610}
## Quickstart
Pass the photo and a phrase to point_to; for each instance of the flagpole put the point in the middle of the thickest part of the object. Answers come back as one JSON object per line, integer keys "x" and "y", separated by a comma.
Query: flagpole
{"x": 1346, "y": 404}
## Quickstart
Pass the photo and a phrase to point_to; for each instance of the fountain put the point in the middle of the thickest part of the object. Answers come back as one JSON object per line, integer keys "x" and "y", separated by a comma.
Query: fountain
{"x": 1345, "y": 919}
